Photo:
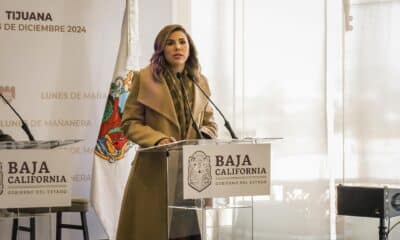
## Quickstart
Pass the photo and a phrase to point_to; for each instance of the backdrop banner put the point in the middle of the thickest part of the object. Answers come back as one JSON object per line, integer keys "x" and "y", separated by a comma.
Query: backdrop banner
{"x": 56, "y": 63}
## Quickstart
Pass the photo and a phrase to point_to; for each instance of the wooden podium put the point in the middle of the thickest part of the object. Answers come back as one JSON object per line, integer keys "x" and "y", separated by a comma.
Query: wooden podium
{"x": 211, "y": 184}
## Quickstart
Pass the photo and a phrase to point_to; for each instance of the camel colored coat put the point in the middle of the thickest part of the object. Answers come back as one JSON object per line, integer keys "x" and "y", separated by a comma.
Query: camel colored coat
{"x": 149, "y": 116}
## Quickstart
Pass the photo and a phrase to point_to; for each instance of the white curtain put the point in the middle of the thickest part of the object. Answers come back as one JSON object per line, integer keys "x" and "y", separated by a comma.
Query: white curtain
{"x": 371, "y": 112}
{"x": 265, "y": 63}
{"x": 287, "y": 69}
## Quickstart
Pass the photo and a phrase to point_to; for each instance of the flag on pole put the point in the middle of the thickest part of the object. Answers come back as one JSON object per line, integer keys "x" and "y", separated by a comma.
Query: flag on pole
{"x": 114, "y": 153}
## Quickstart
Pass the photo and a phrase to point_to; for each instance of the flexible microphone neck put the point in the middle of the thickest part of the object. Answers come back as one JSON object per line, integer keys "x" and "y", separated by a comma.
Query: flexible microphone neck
{"x": 23, "y": 126}
{"x": 226, "y": 122}
{"x": 186, "y": 101}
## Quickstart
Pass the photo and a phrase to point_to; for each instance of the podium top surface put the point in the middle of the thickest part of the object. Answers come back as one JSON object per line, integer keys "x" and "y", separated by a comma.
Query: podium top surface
{"x": 42, "y": 144}
{"x": 179, "y": 144}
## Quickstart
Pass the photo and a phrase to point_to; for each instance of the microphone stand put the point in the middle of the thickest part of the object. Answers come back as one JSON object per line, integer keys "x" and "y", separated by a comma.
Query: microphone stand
{"x": 226, "y": 124}
{"x": 24, "y": 126}
{"x": 186, "y": 100}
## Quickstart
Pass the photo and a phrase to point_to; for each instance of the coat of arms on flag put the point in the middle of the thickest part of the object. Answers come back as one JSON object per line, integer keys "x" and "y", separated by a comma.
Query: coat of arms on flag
{"x": 111, "y": 143}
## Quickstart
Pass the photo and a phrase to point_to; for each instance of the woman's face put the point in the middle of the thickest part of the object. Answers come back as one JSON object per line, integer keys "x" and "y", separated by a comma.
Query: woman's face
{"x": 176, "y": 50}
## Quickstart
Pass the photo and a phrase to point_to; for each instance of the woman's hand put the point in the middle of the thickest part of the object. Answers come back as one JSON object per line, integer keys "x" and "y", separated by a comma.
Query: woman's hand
{"x": 166, "y": 141}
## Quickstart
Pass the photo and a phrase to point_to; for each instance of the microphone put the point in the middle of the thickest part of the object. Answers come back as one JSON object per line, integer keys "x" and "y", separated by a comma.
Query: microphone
{"x": 186, "y": 100}
{"x": 24, "y": 126}
{"x": 226, "y": 124}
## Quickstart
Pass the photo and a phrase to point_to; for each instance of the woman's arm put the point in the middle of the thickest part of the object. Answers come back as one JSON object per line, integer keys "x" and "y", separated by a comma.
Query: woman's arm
{"x": 209, "y": 126}
{"x": 133, "y": 121}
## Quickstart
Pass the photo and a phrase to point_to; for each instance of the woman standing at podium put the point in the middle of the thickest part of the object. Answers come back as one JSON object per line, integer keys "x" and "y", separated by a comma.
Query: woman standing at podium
{"x": 157, "y": 112}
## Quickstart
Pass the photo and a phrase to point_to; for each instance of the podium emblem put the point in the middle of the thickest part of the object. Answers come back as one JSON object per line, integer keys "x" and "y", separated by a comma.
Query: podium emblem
{"x": 199, "y": 174}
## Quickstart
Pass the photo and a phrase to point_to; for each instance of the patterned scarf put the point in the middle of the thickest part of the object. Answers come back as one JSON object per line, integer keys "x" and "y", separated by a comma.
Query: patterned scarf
{"x": 181, "y": 109}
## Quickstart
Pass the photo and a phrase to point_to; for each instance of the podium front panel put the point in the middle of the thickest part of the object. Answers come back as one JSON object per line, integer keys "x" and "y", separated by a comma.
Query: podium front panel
{"x": 207, "y": 217}
{"x": 34, "y": 176}
{"x": 42, "y": 176}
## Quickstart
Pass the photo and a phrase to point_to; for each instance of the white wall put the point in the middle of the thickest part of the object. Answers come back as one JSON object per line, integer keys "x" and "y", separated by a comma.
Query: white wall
{"x": 153, "y": 15}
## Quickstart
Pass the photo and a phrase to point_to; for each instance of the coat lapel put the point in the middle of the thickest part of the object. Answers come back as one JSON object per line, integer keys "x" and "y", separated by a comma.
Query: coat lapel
{"x": 156, "y": 95}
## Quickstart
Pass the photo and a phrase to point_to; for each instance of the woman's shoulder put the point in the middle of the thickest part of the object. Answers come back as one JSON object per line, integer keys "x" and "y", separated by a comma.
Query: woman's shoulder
{"x": 145, "y": 73}
{"x": 203, "y": 82}
{"x": 136, "y": 75}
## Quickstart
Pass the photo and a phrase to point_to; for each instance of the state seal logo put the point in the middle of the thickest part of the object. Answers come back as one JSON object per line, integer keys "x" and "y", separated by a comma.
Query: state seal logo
{"x": 8, "y": 92}
{"x": 199, "y": 174}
